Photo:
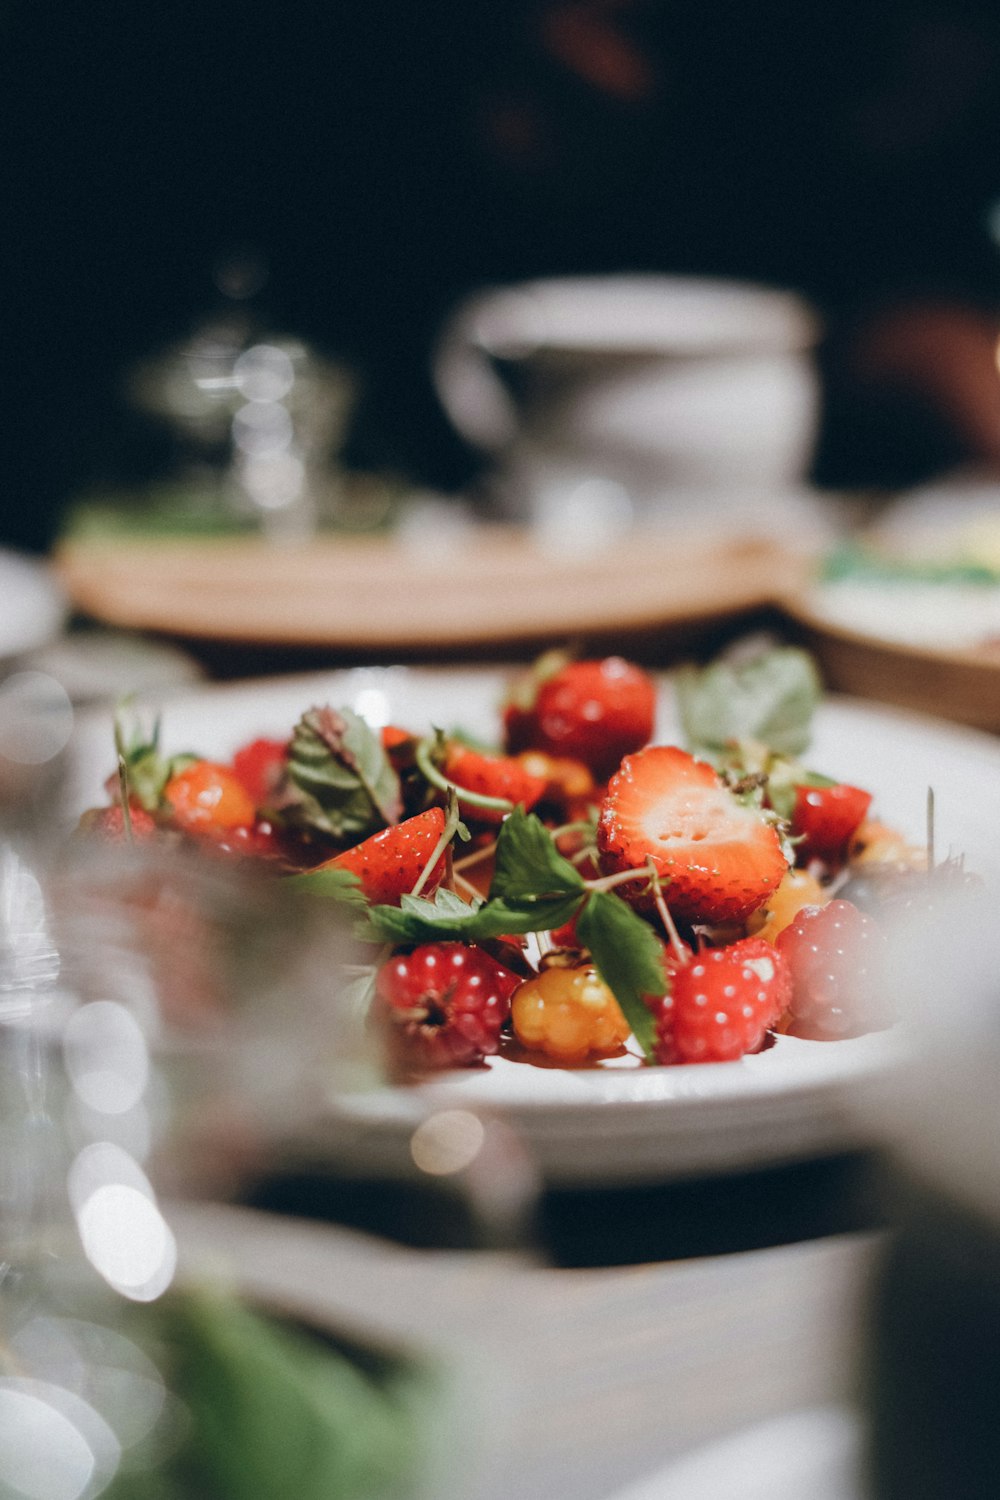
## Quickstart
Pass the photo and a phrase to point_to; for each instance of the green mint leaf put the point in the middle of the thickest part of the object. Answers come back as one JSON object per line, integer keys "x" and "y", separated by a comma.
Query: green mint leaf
{"x": 346, "y": 785}
{"x": 528, "y": 866}
{"x": 417, "y": 920}
{"x": 770, "y": 698}
{"x": 629, "y": 958}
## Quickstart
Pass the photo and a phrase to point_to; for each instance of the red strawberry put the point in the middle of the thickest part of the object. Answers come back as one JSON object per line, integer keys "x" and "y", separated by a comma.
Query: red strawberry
{"x": 393, "y": 737}
{"x": 720, "y": 859}
{"x": 444, "y": 1004}
{"x": 721, "y": 1003}
{"x": 260, "y": 767}
{"x": 835, "y": 955}
{"x": 109, "y": 823}
{"x": 390, "y": 863}
{"x": 205, "y": 797}
{"x": 492, "y": 776}
{"x": 593, "y": 711}
{"x": 828, "y": 817}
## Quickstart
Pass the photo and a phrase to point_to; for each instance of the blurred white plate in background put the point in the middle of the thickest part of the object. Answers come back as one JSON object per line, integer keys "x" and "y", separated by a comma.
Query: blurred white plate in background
{"x": 618, "y": 1123}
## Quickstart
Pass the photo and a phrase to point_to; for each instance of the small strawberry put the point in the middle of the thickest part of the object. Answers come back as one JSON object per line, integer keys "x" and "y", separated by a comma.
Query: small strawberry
{"x": 443, "y": 1005}
{"x": 594, "y": 711}
{"x": 570, "y": 790}
{"x": 260, "y": 767}
{"x": 835, "y": 955}
{"x": 502, "y": 776}
{"x": 109, "y": 823}
{"x": 389, "y": 864}
{"x": 205, "y": 797}
{"x": 719, "y": 858}
{"x": 395, "y": 738}
{"x": 721, "y": 1003}
{"x": 827, "y": 818}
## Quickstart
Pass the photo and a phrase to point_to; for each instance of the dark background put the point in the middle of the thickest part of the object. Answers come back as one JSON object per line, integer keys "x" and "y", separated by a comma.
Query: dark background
{"x": 385, "y": 156}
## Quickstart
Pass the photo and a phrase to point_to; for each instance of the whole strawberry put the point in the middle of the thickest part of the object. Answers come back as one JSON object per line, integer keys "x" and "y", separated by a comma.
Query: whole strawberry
{"x": 206, "y": 797}
{"x": 835, "y": 956}
{"x": 500, "y": 776}
{"x": 826, "y": 818}
{"x": 389, "y": 863}
{"x": 593, "y": 711}
{"x": 110, "y": 823}
{"x": 259, "y": 766}
{"x": 443, "y": 1005}
{"x": 718, "y": 857}
{"x": 721, "y": 1003}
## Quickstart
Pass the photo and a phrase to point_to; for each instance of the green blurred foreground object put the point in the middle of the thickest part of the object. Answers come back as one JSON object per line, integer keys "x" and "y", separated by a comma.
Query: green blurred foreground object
{"x": 274, "y": 1411}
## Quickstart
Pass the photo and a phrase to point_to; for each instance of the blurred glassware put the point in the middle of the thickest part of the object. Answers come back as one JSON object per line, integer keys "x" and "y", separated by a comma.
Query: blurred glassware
{"x": 261, "y": 419}
{"x": 635, "y": 398}
{"x": 208, "y": 1025}
{"x": 933, "y": 1360}
{"x": 163, "y": 1022}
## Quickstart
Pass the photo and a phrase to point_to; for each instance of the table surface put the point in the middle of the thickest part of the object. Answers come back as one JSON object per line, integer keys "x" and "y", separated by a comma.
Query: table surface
{"x": 591, "y": 1378}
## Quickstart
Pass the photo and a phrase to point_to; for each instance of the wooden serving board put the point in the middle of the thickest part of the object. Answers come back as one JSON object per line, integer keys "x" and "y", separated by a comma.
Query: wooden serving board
{"x": 961, "y": 685}
{"x": 499, "y": 585}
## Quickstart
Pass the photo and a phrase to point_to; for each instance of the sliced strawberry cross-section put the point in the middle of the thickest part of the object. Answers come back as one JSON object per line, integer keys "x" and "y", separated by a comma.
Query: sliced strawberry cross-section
{"x": 718, "y": 857}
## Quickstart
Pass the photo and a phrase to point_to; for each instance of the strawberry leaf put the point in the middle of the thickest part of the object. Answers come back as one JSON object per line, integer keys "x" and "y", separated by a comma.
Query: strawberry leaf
{"x": 336, "y": 885}
{"x": 346, "y": 785}
{"x": 417, "y": 920}
{"x": 770, "y": 698}
{"x": 528, "y": 867}
{"x": 143, "y": 768}
{"x": 784, "y": 780}
{"x": 628, "y": 957}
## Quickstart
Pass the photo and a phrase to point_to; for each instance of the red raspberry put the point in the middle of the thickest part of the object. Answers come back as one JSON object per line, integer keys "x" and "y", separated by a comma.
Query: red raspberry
{"x": 721, "y": 1003}
{"x": 835, "y": 954}
{"x": 444, "y": 1004}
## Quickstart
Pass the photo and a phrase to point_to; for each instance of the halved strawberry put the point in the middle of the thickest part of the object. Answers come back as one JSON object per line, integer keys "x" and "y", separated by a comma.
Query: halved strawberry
{"x": 594, "y": 711}
{"x": 390, "y": 863}
{"x": 827, "y": 818}
{"x": 501, "y": 776}
{"x": 719, "y": 857}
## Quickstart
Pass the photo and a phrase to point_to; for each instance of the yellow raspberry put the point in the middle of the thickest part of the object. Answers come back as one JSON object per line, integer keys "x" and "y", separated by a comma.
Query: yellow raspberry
{"x": 797, "y": 889}
{"x": 570, "y": 1014}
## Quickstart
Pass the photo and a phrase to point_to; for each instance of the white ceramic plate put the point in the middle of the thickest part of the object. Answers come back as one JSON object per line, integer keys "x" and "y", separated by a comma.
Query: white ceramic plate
{"x": 31, "y": 607}
{"x": 809, "y": 1455}
{"x": 618, "y": 1123}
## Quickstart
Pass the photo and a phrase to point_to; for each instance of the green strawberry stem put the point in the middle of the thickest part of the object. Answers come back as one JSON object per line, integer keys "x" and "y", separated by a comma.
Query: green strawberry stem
{"x": 123, "y": 794}
{"x": 665, "y": 914}
{"x": 485, "y": 851}
{"x": 452, "y": 825}
{"x": 620, "y": 877}
{"x": 566, "y": 828}
{"x": 423, "y": 756}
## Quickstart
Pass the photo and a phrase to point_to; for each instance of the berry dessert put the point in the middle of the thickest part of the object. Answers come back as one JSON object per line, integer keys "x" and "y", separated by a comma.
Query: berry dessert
{"x": 576, "y": 891}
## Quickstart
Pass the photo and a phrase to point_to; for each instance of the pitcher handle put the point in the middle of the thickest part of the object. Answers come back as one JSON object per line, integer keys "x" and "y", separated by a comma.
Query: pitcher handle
{"x": 467, "y": 383}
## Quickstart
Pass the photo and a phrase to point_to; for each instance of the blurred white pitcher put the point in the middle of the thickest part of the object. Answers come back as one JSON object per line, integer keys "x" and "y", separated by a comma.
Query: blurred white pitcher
{"x": 661, "y": 389}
